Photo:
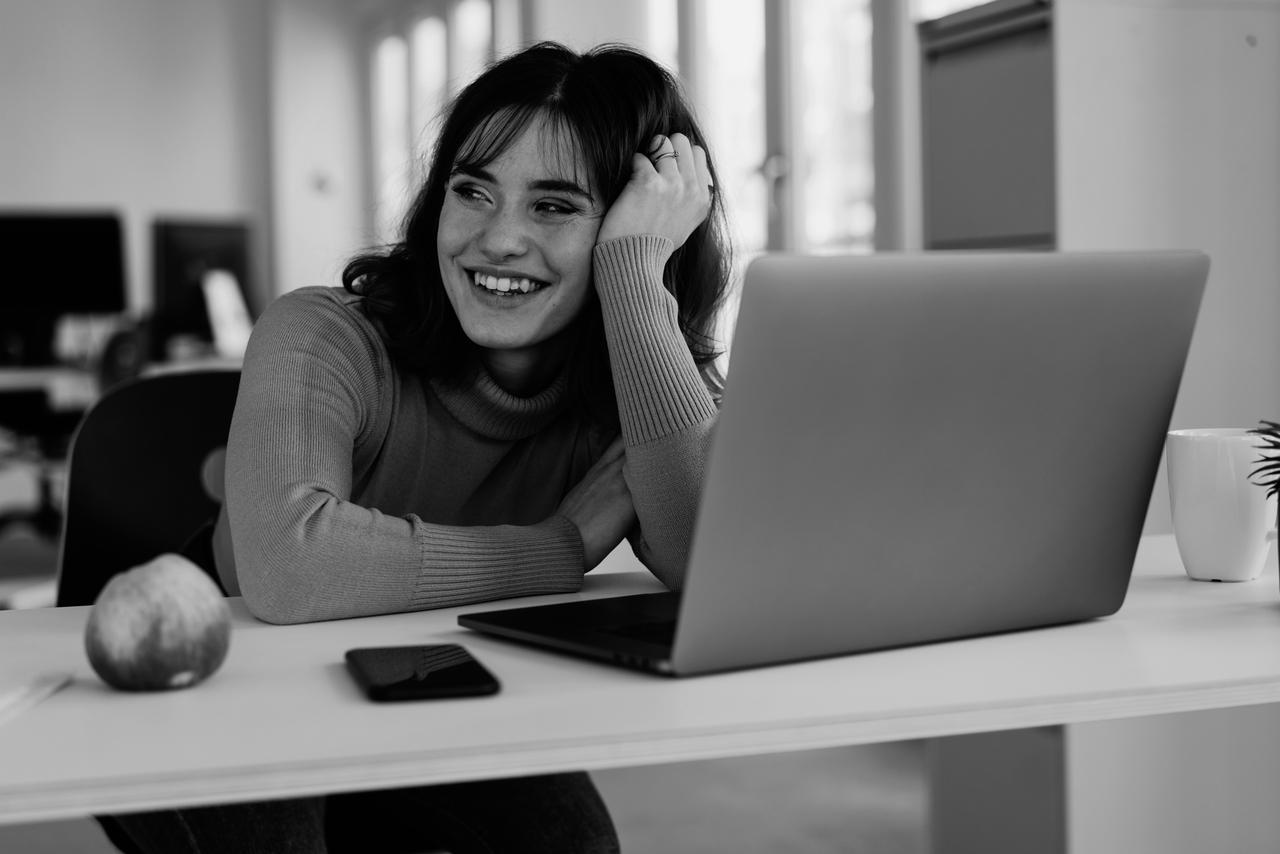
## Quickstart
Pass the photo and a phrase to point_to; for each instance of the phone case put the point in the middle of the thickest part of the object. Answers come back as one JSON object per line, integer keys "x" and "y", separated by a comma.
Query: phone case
{"x": 419, "y": 672}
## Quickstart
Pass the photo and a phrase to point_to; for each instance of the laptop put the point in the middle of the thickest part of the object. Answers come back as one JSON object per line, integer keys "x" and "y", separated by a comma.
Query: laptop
{"x": 912, "y": 448}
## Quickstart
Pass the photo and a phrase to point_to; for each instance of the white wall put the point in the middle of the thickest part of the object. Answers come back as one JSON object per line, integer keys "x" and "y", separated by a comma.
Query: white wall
{"x": 1169, "y": 137}
{"x": 150, "y": 107}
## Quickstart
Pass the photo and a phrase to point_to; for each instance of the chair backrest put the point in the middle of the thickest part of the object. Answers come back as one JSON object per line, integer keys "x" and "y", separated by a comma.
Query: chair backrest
{"x": 136, "y": 475}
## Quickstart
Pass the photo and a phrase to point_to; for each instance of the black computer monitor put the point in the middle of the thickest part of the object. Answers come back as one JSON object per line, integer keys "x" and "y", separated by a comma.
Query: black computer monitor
{"x": 184, "y": 251}
{"x": 56, "y": 263}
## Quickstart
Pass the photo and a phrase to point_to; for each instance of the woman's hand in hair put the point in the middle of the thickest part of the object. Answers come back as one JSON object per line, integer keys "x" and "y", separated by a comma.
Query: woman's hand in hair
{"x": 600, "y": 506}
{"x": 669, "y": 193}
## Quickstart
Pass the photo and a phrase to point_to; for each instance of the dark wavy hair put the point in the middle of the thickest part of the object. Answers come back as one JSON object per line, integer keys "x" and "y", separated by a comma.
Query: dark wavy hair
{"x": 609, "y": 103}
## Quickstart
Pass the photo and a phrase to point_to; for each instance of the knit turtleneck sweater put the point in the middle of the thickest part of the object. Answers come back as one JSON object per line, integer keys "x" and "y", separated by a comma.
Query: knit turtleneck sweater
{"x": 357, "y": 487}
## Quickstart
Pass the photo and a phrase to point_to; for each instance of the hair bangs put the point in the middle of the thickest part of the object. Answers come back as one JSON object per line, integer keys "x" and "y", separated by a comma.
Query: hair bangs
{"x": 559, "y": 141}
{"x": 566, "y": 154}
{"x": 491, "y": 136}
{"x": 597, "y": 145}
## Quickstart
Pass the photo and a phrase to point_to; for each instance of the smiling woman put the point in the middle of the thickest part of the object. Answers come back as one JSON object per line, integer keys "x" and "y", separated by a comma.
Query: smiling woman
{"x": 487, "y": 408}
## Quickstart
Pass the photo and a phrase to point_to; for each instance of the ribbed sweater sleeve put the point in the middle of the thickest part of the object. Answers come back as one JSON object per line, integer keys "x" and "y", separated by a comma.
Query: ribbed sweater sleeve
{"x": 315, "y": 385}
{"x": 667, "y": 413}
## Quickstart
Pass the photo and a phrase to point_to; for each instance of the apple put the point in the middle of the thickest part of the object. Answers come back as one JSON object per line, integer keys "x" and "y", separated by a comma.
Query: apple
{"x": 160, "y": 625}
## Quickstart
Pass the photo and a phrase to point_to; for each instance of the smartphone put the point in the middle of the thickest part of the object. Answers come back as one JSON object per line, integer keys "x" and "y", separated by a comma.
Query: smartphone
{"x": 419, "y": 672}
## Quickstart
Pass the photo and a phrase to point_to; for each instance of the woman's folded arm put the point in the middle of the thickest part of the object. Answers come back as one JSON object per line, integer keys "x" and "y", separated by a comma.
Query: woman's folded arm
{"x": 303, "y": 549}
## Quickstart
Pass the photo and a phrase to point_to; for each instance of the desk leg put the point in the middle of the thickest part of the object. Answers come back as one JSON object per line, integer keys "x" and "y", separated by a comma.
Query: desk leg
{"x": 998, "y": 792}
{"x": 1174, "y": 784}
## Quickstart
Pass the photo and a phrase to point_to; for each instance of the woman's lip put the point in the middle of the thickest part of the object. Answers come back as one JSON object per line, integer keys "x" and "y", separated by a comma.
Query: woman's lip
{"x": 508, "y": 301}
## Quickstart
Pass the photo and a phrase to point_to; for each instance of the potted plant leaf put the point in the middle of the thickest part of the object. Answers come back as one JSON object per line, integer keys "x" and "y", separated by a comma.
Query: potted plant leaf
{"x": 1267, "y": 472}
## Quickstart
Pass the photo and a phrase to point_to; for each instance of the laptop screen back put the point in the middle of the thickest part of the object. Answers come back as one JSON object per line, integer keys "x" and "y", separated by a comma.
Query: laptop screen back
{"x": 921, "y": 447}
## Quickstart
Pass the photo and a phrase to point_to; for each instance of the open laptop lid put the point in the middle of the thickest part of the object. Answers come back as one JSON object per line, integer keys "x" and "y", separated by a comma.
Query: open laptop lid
{"x": 928, "y": 446}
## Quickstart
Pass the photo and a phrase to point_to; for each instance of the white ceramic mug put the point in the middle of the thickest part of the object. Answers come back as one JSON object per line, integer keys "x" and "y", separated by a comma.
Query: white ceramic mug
{"x": 1222, "y": 520}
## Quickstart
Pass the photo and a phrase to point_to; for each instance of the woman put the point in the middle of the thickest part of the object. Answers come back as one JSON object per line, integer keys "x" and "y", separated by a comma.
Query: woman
{"x": 487, "y": 410}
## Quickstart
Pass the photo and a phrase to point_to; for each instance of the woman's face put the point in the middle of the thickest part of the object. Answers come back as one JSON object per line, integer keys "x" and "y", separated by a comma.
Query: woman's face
{"x": 515, "y": 243}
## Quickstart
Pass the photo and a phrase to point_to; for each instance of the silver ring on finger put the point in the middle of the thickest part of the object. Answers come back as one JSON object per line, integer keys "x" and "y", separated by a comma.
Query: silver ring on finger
{"x": 671, "y": 154}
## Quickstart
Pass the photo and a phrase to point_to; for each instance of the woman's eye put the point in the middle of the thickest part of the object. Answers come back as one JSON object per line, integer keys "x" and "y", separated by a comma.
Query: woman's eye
{"x": 555, "y": 208}
{"x": 468, "y": 192}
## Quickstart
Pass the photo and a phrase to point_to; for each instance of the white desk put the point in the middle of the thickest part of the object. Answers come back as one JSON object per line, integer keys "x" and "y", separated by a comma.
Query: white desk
{"x": 283, "y": 718}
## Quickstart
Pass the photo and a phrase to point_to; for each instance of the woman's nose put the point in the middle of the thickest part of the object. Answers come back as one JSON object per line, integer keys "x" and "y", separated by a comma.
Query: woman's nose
{"x": 504, "y": 235}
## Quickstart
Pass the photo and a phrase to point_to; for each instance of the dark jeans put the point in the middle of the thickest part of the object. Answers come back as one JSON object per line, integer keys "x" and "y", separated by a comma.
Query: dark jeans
{"x": 557, "y": 813}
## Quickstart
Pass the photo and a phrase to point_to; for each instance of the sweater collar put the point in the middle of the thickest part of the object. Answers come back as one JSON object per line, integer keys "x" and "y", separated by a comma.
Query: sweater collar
{"x": 482, "y": 405}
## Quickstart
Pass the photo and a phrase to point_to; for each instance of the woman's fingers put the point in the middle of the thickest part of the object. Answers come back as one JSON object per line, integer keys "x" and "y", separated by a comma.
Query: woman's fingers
{"x": 676, "y": 155}
{"x": 668, "y": 193}
{"x": 664, "y": 148}
{"x": 693, "y": 169}
{"x": 667, "y": 159}
{"x": 682, "y": 148}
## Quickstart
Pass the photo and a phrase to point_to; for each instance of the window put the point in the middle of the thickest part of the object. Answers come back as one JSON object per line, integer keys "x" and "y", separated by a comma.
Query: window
{"x": 664, "y": 32}
{"x": 391, "y": 156}
{"x": 789, "y": 84}
{"x": 473, "y": 30}
{"x": 423, "y": 53}
{"x": 784, "y": 93}
{"x": 732, "y": 107}
{"x": 430, "y": 90}
{"x": 833, "y": 116}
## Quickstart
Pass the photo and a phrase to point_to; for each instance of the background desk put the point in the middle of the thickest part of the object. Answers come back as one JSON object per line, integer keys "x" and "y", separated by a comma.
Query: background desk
{"x": 283, "y": 718}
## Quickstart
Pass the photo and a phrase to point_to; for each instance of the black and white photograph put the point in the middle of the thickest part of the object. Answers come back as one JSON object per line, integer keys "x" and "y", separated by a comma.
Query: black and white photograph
{"x": 645, "y": 426}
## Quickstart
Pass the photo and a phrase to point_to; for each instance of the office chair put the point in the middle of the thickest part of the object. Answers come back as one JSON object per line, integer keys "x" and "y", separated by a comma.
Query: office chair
{"x": 144, "y": 477}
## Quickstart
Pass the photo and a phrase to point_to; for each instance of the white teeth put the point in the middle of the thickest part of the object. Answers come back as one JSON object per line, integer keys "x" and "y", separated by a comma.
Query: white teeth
{"x": 505, "y": 285}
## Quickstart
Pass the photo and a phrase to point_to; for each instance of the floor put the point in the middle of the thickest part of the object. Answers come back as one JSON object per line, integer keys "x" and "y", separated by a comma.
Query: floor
{"x": 864, "y": 799}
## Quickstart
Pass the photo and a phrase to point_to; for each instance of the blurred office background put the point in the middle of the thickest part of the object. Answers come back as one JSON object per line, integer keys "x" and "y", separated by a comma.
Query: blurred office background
{"x": 236, "y": 149}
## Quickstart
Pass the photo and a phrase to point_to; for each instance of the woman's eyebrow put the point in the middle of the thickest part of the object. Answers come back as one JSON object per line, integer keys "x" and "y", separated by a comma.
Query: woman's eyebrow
{"x": 544, "y": 185}
{"x": 559, "y": 185}
{"x": 476, "y": 172}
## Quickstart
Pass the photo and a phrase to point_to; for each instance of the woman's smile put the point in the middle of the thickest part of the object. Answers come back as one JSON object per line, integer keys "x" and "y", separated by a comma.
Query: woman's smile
{"x": 507, "y": 285}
